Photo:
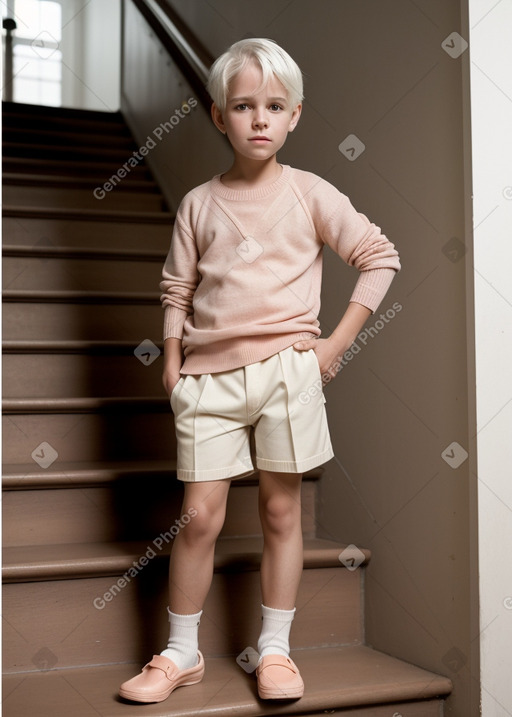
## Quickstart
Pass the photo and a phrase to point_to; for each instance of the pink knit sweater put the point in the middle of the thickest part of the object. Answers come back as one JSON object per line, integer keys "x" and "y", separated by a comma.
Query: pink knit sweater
{"x": 243, "y": 275}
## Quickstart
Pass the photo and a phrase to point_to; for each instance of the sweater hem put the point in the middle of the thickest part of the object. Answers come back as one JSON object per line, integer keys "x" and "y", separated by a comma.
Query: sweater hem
{"x": 227, "y": 356}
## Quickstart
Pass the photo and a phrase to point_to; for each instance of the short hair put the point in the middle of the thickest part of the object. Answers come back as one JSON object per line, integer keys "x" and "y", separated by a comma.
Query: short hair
{"x": 272, "y": 59}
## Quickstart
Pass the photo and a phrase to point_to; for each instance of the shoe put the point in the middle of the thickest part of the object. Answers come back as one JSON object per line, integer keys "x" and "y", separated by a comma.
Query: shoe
{"x": 159, "y": 678}
{"x": 278, "y": 678}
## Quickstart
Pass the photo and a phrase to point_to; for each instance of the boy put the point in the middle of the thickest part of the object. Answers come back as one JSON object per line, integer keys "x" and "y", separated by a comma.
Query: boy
{"x": 241, "y": 292}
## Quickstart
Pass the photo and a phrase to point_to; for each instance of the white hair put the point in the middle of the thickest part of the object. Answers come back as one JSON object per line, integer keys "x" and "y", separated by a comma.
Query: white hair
{"x": 272, "y": 59}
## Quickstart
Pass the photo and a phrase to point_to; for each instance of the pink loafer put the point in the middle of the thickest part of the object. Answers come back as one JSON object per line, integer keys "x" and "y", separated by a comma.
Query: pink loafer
{"x": 159, "y": 678}
{"x": 279, "y": 678}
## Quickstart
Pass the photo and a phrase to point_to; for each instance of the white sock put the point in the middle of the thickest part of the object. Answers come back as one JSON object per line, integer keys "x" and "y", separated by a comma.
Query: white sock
{"x": 183, "y": 639}
{"x": 275, "y": 631}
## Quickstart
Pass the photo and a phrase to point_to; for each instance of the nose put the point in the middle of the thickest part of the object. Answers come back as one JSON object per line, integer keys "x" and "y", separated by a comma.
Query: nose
{"x": 260, "y": 119}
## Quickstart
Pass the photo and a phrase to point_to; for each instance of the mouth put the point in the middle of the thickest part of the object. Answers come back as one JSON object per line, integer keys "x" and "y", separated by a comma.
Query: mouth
{"x": 260, "y": 138}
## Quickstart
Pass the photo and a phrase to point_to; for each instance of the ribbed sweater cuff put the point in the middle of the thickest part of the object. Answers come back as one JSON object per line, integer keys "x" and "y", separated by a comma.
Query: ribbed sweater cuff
{"x": 372, "y": 287}
{"x": 173, "y": 322}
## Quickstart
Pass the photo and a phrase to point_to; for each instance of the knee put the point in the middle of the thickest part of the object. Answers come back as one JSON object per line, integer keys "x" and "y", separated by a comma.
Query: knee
{"x": 280, "y": 514}
{"x": 205, "y": 524}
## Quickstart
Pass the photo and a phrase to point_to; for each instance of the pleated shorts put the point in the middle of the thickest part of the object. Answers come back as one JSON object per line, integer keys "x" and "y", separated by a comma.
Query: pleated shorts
{"x": 269, "y": 415}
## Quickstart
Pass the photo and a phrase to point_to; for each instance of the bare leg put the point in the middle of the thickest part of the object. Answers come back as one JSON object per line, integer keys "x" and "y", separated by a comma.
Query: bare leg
{"x": 280, "y": 515}
{"x": 191, "y": 564}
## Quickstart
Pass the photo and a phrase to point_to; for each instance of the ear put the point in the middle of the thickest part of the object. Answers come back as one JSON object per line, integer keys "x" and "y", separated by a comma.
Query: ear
{"x": 295, "y": 118}
{"x": 218, "y": 119}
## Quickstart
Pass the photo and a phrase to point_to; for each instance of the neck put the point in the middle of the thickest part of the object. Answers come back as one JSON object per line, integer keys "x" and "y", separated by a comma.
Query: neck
{"x": 247, "y": 173}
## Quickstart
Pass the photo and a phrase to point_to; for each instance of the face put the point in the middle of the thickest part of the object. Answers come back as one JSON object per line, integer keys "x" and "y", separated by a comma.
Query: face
{"x": 256, "y": 121}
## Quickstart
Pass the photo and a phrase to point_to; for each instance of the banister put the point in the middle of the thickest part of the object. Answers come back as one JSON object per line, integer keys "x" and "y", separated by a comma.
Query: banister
{"x": 9, "y": 25}
{"x": 191, "y": 57}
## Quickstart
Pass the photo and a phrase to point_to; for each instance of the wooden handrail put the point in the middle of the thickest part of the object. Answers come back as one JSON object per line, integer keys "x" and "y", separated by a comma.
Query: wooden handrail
{"x": 186, "y": 50}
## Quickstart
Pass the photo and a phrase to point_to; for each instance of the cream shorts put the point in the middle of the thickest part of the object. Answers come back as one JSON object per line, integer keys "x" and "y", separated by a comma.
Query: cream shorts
{"x": 269, "y": 414}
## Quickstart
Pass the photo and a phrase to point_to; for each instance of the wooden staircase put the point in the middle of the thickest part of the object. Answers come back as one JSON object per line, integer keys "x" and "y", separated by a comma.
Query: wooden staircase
{"x": 91, "y": 503}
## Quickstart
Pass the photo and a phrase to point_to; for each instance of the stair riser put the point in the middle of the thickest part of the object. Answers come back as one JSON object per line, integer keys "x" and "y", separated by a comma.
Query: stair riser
{"x": 429, "y": 708}
{"x": 14, "y": 112}
{"x": 67, "y": 167}
{"x": 79, "y": 274}
{"x": 54, "y": 135}
{"x": 111, "y": 155}
{"x": 123, "y": 512}
{"x": 61, "y": 375}
{"x": 70, "y": 182}
{"x": 99, "y": 130}
{"x": 77, "y": 322}
{"x": 90, "y": 437}
{"x": 61, "y": 616}
{"x": 57, "y": 197}
{"x": 69, "y": 233}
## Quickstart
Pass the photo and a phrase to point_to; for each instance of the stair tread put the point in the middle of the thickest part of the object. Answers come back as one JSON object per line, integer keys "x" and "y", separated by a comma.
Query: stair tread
{"x": 58, "y": 252}
{"x": 10, "y": 109}
{"x": 72, "y": 296}
{"x": 72, "y": 560}
{"x": 29, "y": 147}
{"x": 60, "y": 135}
{"x": 336, "y": 677}
{"x": 21, "y": 163}
{"x": 83, "y": 404}
{"x": 56, "y": 180}
{"x": 29, "y": 475}
{"x": 70, "y": 346}
{"x": 85, "y": 214}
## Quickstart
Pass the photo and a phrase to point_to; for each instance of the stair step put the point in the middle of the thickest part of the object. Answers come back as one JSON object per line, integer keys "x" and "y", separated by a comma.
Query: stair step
{"x": 67, "y": 374}
{"x": 63, "y": 252}
{"x": 100, "y": 436}
{"x": 35, "y": 563}
{"x": 73, "y": 599}
{"x": 78, "y": 272}
{"x": 89, "y": 348}
{"x": 86, "y": 214}
{"x": 66, "y": 135}
{"x": 36, "y": 113}
{"x": 30, "y": 296}
{"x": 53, "y": 233}
{"x": 54, "y": 180}
{"x": 62, "y": 198}
{"x": 82, "y": 321}
{"x": 118, "y": 510}
{"x": 77, "y": 153}
{"x": 108, "y": 126}
{"x": 353, "y": 681}
{"x": 88, "y": 168}
{"x": 87, "y": 404}
{"x": 30, "y": 476}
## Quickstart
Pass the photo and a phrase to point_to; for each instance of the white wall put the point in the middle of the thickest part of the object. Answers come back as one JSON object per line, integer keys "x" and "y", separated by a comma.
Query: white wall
{"x": 491, "y": 116}
{"x": 91, "y": 49}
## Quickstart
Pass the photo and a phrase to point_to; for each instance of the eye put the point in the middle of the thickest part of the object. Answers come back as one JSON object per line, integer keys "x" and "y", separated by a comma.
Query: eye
{"x": 242, "y": 107}
{"x": 275, "y": 107}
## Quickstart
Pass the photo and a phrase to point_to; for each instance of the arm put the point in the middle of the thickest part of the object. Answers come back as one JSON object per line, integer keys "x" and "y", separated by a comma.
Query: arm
{"x": 330, "y": 351}
{"x": 350, "y": 325}
{"x": 172, "y": 363}
{"x": 360, "y": 244}
{"x": 179, "y": 281}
